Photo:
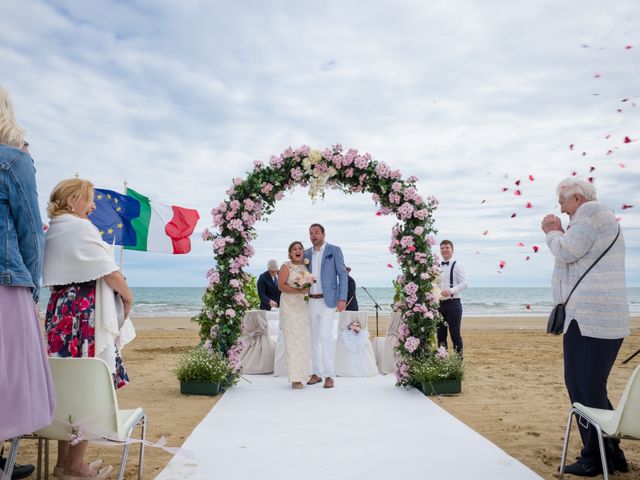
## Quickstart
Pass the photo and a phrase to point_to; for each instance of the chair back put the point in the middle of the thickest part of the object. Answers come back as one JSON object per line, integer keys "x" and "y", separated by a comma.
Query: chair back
{"x": 394, "y": 324}
{"x": 255, "y": 321}
{"x": 345, "y": 318}
{"x": 84, "y": 394}
{"x": 629, "y": 406}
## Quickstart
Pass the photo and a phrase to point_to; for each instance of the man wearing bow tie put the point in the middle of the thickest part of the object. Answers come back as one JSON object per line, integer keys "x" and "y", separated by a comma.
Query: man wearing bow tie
{"x": 453, "y": 282}
{"x": 326, "y": 295}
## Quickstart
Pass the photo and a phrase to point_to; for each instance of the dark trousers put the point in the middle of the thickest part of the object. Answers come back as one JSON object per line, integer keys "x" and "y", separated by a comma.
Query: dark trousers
{"x": 587, "y": 364}
{"x": 451, "y": 311}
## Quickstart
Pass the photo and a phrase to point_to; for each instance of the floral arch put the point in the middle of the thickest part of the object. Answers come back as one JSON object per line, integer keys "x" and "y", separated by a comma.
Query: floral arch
{"x": 254, "y": 197}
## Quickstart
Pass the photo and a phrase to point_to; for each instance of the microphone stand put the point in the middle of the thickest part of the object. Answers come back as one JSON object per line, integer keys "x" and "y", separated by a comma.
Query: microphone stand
{"x": 637, "y": 352}
{"x": 378, "y": 307}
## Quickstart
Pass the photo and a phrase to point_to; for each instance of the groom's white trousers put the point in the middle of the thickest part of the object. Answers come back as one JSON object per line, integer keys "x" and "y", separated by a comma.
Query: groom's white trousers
{"x": 323, "y": 345}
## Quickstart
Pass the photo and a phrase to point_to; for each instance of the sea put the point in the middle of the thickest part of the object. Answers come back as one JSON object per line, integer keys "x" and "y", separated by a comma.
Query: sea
{"x": 477, "y": 302}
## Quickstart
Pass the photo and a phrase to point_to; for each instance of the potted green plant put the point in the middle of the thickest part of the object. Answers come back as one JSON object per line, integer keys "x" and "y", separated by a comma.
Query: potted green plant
{"x": 203, "y": 372}
{"x": 439, "y": 373}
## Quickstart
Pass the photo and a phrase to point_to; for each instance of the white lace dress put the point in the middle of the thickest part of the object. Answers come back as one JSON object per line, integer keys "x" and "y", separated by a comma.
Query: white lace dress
{"x": 294, "y": 321}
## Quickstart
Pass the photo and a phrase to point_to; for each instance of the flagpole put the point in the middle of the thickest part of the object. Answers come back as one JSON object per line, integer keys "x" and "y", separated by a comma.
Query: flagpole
{"x": 122, "y": 246}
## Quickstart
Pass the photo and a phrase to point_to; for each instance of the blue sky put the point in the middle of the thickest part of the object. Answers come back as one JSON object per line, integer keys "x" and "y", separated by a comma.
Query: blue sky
{"x": 178, "y": 98}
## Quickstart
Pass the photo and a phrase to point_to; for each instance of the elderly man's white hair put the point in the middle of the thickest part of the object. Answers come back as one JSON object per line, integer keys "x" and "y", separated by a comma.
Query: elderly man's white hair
{"x": 572, "y": 185}
{"x": 272, "y": 265}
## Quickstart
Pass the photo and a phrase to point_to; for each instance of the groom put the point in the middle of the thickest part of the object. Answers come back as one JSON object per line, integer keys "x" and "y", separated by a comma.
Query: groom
{"x": 328, "y": 293}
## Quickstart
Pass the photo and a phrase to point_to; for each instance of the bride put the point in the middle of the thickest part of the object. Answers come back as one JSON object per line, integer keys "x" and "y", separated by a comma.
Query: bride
{"x": 294, "y": 281}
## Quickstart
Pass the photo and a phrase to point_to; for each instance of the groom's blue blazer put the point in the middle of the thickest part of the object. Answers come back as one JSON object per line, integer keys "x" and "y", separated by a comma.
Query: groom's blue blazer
{"x": 333, "y": 274}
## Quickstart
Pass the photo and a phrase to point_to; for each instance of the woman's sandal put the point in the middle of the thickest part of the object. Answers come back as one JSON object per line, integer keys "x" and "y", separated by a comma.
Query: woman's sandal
{"x": 59, "y": 471}
{"x": 102, "y": 473}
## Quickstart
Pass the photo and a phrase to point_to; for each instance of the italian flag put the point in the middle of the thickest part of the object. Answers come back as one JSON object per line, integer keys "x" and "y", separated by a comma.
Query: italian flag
{"x": 162, "y": 228}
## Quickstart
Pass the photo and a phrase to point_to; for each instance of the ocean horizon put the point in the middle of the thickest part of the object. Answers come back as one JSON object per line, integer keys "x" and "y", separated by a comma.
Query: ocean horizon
{"x": 476, "y": 301}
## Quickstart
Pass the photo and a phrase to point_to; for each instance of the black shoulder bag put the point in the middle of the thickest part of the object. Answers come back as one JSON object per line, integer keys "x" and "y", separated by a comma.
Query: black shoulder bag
{"x": 555, "y": 324}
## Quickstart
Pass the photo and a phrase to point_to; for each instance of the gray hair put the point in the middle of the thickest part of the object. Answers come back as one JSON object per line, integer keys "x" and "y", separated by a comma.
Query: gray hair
{"x": 272, "y": 265}
{"x": 572, "y": 185}
{"x": 10, "y": 132}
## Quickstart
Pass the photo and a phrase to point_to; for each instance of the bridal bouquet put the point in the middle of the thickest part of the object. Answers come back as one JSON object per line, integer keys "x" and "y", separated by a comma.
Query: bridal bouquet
{"x": 355, "y": 326}
{"x": 301, "y": 279}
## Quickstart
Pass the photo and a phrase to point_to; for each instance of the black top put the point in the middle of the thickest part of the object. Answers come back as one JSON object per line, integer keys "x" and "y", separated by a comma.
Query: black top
{"x": 352, "y": 301}
{"x": 268, "y": 290}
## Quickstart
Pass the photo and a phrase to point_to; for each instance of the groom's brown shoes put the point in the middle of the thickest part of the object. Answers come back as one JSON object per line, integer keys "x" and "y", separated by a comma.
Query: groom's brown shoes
{"x": 314, "y": 379}
{"x": 328, "y": 382}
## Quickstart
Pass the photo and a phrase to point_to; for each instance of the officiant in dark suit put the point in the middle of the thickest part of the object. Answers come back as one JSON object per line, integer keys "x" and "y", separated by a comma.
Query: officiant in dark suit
{"x": 268, "y": 287}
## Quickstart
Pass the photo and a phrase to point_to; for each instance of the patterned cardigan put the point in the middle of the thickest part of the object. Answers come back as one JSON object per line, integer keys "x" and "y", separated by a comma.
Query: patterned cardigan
{"x": 599, "y": 304}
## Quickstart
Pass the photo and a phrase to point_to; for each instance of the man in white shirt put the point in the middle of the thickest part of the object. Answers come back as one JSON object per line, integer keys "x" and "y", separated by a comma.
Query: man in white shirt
{"x": 453, "y": 282}
{"x": 326, "y": 296}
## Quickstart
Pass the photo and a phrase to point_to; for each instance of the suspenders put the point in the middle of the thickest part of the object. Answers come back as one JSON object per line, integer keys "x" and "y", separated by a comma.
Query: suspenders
{"x": 451, "y": 274}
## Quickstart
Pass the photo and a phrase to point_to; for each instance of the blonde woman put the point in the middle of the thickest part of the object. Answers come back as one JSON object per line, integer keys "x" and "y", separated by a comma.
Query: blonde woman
{"x": 78, "y": 266}
{"x": 27, "y": 395}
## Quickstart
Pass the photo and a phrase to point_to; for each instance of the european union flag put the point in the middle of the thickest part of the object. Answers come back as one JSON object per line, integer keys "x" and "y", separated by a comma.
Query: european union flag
{"x": 113, "y": 214}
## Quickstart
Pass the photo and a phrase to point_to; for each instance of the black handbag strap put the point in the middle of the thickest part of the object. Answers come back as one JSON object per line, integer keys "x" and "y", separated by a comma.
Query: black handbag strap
{"x": 593, "y": 265}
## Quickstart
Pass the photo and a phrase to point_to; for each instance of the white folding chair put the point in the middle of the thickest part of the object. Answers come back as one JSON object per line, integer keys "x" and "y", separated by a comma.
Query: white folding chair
{"x": 86, "y": 397}
{"x": 623, "y": 422}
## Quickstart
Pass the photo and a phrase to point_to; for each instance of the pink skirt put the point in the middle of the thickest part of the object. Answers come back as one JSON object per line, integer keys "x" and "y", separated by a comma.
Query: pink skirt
{"x": 27, "y": 394}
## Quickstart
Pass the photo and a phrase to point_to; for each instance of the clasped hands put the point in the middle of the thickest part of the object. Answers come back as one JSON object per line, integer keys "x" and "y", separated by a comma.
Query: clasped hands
{"x": 550, "y": 223}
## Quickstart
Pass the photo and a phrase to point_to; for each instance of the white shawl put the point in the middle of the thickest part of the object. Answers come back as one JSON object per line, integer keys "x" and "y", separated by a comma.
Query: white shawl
{"x": 75, "y": 253}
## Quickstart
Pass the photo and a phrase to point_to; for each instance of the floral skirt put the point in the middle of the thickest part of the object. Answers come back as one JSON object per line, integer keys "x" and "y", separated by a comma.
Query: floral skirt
{"x": 70, "y": 325}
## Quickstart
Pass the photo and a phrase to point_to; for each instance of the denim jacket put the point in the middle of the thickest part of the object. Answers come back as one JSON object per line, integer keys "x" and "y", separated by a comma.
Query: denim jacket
{"x": 21, "y": 232}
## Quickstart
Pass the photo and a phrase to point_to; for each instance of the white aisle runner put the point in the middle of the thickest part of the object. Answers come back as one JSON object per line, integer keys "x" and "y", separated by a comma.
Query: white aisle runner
{"x": 364, "y": 428}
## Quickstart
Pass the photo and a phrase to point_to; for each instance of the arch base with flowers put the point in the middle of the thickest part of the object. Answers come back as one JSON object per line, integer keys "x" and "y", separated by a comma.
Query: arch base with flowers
{"x": 254, "y": 197}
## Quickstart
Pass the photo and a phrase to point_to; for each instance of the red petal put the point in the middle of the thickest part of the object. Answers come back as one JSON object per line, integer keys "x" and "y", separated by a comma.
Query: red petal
{"x": 485, "y": 232}
{"x": 378, "y": 213}
{"x": 591, "y": 169}
{"x": 619, "y": 110}
{"x": 628, "y": 47}
{"x": 624, "y": 100}
{"x": 513, "y": 215}
{"x": 504, "y": 189}
{"x": 531, "y": 178}
{"x": 520, "y": 244}
{"x": 482, "y": 202}
{"x": 573, "y": 174}
{"x": 527, "y": 306}
{"x": 621, "y": 165}
{"x": 625, "y": 206}
{"x": 627, "y": 140}
{"x": 584, "y": 154}
{"x": 517, "y": 182}
{"x": 607, "y": 137}
{"x": 596, "y": 75}
{"x": 571, "y": 147}
{"x": 527, "y": 257}
{"x": 590, "y": 179}
{"x": 609, "y": 152}
{"x": 529, "y": 205}
{"x": 535, "y": 248}
{"x": 517, "y": 193}
{"x": 502, "y": 263}
{"x": 389, "y": 265}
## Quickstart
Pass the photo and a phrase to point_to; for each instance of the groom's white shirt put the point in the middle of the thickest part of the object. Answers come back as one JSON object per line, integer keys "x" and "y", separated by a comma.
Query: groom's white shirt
{"x": 316, "y": 269}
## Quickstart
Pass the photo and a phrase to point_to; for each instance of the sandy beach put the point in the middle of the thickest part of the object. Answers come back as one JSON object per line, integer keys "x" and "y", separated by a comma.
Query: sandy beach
{"x": 513, "y": 392}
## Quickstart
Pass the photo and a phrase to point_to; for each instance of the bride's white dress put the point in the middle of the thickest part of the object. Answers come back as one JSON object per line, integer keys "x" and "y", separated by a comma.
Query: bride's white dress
{"x": 294, "y": 321}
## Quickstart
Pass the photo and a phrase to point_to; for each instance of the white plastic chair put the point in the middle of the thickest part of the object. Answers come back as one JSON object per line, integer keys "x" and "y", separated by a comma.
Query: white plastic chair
{"x": 85, "y": 393}
{"x": 623, "y": 422}
{"x": 354, "y": 353}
